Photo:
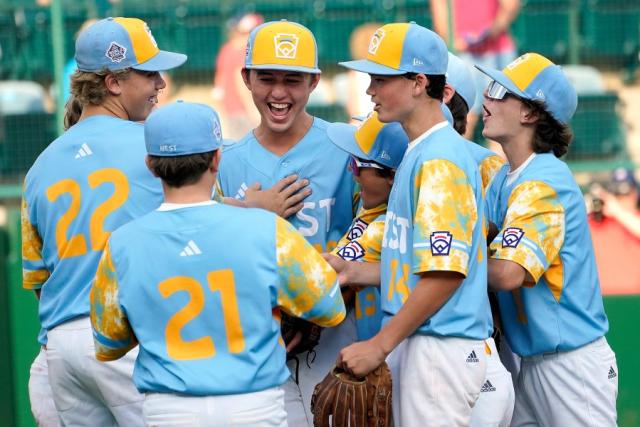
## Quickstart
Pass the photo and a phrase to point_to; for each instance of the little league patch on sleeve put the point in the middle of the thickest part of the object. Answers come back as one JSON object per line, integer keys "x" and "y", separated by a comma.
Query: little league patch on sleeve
{"x": 351, "y": 252}
{"x": 357, "y": 229}
{"x": 440, "y": 243}
{"x": 511, "y": 237}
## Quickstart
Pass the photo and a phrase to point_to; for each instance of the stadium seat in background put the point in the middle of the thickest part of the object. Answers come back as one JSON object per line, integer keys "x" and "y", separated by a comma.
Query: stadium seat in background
{"x": 611, "y": 34}
{"x": 25, "y": 128}
{"x": 543, "y": 26}
{"x": 599, "y": 131}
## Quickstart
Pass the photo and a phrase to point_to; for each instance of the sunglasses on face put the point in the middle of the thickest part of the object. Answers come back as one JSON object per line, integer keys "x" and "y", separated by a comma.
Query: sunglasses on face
{"x": 356, "y": 164}
{"x": 496, "y": 91}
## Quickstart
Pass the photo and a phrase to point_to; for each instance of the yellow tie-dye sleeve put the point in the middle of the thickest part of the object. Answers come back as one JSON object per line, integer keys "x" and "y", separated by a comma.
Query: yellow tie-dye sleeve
{"x": 34, "y": 272}
{"x": 489, "y": 167}
{"x": 309, "y": 287}
{"x": 533, "y": 229}
{"x": 371, "y": 241}
{"x": 218, "y": 194}
{"x": 445, "y": 216}
{"x": 112, "y": 332}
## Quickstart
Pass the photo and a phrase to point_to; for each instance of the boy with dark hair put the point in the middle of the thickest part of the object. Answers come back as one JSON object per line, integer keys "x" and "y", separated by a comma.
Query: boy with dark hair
{"x": 432, "y": 269}
{"x": 216, "y": 277}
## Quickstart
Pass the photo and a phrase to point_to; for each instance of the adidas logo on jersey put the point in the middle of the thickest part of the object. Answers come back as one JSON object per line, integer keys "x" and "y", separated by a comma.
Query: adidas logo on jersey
{"x": 612, "y": 373}
{"x": 472, "y": 358}
{"x": 84, "y": 151}
{"x": 487, "y": 387}
{"x": 241, "y": 191}
{"x": 191, "y": 249}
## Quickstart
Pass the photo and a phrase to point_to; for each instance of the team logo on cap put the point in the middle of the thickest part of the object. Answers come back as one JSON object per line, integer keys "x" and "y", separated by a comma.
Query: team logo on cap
{"x": 286, "y": 45}
{"x": 217, "y": 132}
{"x": 511, "y": 237}
{"x": 440, "y": 243}
{"x": 376, "y": 39}
{"x": 116, "y": 52}
{"x": 148, "y": 30}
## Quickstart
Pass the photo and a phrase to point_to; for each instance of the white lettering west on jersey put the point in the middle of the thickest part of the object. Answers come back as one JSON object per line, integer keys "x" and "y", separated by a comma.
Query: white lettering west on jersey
{"x": 327, "y": 203}
{"x": 395, "y": 232}
{"x": 312, "y": 220}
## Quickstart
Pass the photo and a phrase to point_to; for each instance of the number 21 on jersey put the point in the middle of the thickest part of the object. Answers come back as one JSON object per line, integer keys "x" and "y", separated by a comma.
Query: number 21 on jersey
{"x": 221, "y": 281}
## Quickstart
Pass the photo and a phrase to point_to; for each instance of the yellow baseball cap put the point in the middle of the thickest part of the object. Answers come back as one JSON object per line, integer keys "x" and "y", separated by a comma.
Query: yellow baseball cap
{"x": 401, "y": 48}
{"x": 119, "y": 43}
{"x": 282, "y": 45}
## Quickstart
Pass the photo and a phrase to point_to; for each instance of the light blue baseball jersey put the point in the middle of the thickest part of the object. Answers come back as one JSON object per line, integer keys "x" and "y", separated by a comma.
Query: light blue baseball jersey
{"x": 434, "y": 222}
{"x": 543, "y": 227}
{"x": 198, "y": 288}
{"x": 489, "y": 163}
{"x": 84, "y": 185}
{"x": 362, "y": 243}
{"x": 328, "y": 211}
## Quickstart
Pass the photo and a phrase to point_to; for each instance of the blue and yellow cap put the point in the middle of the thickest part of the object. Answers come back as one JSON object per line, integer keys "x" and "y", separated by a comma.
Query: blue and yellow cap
{"x": 383, "y": 143}
{"x": 182, "y": 128}
{"x": 461, "y": 80}
{"x": 119, "y": 43}
{"x": 534, "y": 77}
{"x": 401, "y": 48}
{"x": 282, "y": 45}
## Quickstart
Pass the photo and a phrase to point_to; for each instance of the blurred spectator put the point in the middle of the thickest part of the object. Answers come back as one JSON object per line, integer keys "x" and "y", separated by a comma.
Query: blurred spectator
{"x": 614, "y": 221}
{"x": 480, "y": 36}
{"x": 232, "y": 98}
{"x": 358, "y": 102}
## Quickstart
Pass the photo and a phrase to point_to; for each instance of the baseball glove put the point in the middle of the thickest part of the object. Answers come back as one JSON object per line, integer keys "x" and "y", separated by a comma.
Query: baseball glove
{"x": 309, "y": 334}
{"x": 353, "y": 402}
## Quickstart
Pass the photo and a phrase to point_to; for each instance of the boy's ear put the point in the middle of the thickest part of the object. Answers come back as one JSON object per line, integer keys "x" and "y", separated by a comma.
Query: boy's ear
{"x": 245, "y": 77}
{"x": 391, "y": 178}
{"x": 215, "y": 161}
{"x": 147, "y": 162}
{"x": 528, "y": 115}
{"x": 449, "y": 91}
{"x": 421, "y": 83}
{"x": 112, "y": 84}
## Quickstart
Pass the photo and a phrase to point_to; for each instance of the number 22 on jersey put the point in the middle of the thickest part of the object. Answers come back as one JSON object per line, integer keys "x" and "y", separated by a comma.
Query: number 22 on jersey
{"x": 76, "y": 245}
{"x": 221, "y": 281}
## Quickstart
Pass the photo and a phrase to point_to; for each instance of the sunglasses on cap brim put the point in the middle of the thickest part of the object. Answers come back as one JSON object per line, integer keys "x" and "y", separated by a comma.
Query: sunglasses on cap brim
{"x": 496, "y": 91}
{"x": 356, "y": 164}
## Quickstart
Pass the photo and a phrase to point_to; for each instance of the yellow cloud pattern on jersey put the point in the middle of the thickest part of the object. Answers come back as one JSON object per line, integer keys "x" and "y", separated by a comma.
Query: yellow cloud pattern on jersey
{"x": 489, "y": 167}
{"x": 107, "y": 317}
{"x": 31, "y": 251}
{"x": 371, "y": 241}
{"x": 534, "y": 207}
{"x": 445, "y": 201}
{"x": 309, "y": 278}
{"x": 366, "y": 215}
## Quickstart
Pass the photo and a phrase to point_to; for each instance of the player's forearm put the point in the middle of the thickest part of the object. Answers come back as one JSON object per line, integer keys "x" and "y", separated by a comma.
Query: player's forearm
{"x": 430, "y": 293}
{"x": 505, "y": 275}
{"x": 507, "y": 13}
{"x": 439, "y": 18}
{"x": 361, "y": 274}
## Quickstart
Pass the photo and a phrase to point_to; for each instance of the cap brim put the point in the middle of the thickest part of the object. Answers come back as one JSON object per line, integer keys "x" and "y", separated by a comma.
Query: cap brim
{"x": 343, "y": 135}
{"x": 279, "y": 67}
{"x": 502, "y": 78}
{"x": 370, "y": 67}
{"x": 162, "y": 61}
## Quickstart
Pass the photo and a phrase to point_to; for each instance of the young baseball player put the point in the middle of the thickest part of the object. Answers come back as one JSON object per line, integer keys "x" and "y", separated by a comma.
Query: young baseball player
{"x": 495, "y": 404}
{"x": 542, "y": 260}
{"x": 281, "y": 70}
{"x": 376, "y": 150}
{"x": 433, "y": 263}
{"x": 84, "y": 185}
{"x": 216, "y": 277}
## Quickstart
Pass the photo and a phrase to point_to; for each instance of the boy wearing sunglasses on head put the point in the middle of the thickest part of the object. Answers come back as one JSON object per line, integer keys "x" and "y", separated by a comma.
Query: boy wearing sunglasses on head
{"x": 542, "y": 259}
{"x": 376, "y": 151}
